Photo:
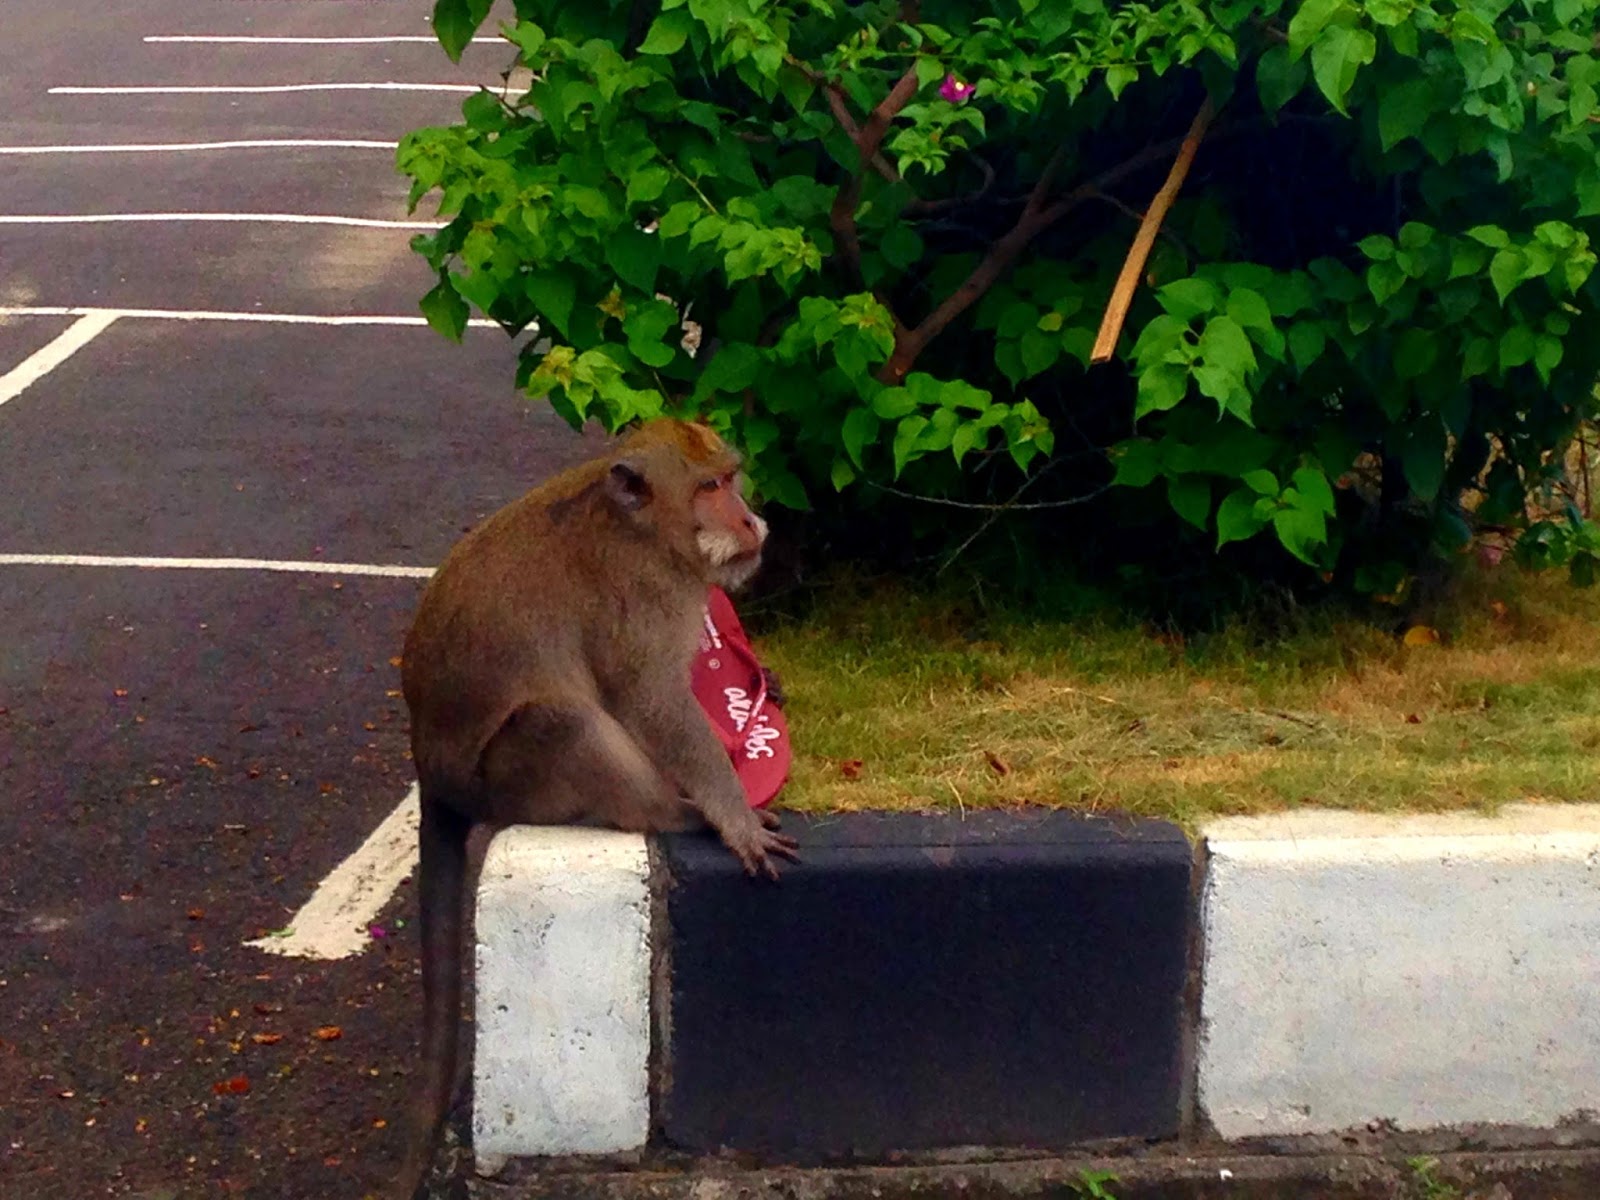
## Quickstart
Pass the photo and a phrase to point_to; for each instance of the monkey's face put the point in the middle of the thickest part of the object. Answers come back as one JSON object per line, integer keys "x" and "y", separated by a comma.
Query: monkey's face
{"x": 727, "y": 534}
{"x": 679, "y": 482}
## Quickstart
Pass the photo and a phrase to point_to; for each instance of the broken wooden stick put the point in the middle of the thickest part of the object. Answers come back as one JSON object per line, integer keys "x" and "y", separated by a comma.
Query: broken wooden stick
{"x": 1122, "y": 295}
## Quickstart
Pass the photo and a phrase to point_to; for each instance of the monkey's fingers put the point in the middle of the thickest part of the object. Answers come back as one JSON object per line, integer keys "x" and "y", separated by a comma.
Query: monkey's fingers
{"x": 768, "y": 818}
{"x": 777, "y": 843}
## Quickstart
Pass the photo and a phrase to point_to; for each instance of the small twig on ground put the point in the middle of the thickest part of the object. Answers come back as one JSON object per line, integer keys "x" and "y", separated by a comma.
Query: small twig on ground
{"x": 1105, "y": 343}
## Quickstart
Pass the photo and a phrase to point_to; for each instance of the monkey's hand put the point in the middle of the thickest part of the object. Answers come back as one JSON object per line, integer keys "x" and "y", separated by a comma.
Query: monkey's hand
{"x": 757, "y": 844}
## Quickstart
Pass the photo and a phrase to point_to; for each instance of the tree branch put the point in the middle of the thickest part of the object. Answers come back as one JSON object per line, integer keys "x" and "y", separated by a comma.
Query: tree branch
{"x": 1035, "y": 219}
{"x": 1105, "y": 343}
{"x": 842, "y": 217}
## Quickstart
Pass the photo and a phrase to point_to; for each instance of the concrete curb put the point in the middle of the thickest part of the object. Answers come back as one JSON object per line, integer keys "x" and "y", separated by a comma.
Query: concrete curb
{"x": 1037, "y": 982}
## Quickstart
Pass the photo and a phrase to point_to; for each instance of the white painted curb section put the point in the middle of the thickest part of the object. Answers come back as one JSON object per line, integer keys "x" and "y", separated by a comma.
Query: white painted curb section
{"x": 563, "y": 995}
{"x": 1427, "y": 970}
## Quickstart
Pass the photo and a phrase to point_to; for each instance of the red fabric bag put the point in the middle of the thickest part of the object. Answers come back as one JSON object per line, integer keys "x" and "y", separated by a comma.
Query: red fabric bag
{"x": 731, "y": 687}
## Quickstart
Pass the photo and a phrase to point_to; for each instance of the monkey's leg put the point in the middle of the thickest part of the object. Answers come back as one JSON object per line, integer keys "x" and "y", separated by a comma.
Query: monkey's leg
{"x": 679, "y": 740}
{"x": 551, "y": 766}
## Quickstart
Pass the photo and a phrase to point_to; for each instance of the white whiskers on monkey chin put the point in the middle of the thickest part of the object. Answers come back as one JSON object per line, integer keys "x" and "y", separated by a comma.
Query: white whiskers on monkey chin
{"x": 718, "y": 545}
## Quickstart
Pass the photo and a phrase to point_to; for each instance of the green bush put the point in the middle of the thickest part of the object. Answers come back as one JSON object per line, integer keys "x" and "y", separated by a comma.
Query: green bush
{"x": 1368, "y": 327}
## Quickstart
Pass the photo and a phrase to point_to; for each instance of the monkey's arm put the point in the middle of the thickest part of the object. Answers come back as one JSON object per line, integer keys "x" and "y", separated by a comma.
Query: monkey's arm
{"x": 678, "y": 738}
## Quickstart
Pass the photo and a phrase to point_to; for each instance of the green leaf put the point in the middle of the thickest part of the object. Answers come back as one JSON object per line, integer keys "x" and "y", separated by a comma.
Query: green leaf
{"x": 1190, "y": 497}
{"x": 645, "y": 325}
{"x": 1506, "y": 271}
{"x": 1307, "y": 340}
{"x": 901, "y": 247}
{"x": 1490, "y": 235}
{"x": 1336, "y": 58}
{"x": 675, "y": 222}
{"x": 842, "y": 475}
{"x": 1313, "y": 486}
{"x": 1262, "y": 482}
{"x": 1160, "y": 388}
{"x": 1300, "y": 530}
{"x": 1225, "y": 345}
{"x": 1188, "y": 298}
{"x": 553, "y": 294}
{"x": 1517, "y": 346}
{"x": 1309, "y": 20}
{"x": 1249, "y": 308}
{"x": 1279, "y": 77}
{"x": 1119, "y": 77}
{"x": 1138, "y": 462}
{"x": 859, "y": 430}
{"x": 1422, "y": 458}
{"x": 893, "y": 403}
{"x": 1547, "y": 356}
{"x": 647, "y": 184}
{"x": 455, "y": 21}
{"x": 527, "y": 37}
{"x": 1039, "y": 352}
{"x": 445, "y": 310}
{"x": 668, "y": 33}
{"x": 1378, "y": 248}
{"x": 905, "y": 441}
{"x": 1403, "y": 110}
{"x": 1415, "y": 352}
{"x": 1238, "y": 517}
{"x": 732, "y": 368}
{"x": 635, "y": 256}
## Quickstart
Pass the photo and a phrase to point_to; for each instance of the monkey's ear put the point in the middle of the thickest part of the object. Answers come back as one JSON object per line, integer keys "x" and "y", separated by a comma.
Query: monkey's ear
{"x": 627, "y": 486}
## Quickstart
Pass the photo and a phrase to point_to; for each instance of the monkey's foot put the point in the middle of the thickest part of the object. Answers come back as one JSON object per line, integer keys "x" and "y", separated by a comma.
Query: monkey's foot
{"x": 768, "y": 818}
{"x": 756, "y": 849}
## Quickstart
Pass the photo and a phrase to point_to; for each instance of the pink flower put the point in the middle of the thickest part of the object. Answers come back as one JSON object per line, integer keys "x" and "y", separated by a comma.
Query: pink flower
{"x": 953, "y": 90}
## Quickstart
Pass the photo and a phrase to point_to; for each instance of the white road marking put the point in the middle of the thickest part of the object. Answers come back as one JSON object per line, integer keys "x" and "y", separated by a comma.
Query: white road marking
{"x": 335, "y": 922}
{"x": 231, "y": 217}
{"x": 187, "y": 314}
{"x": 309, "y": 41}
{"x": 50, "y": 356}
{"x": 251, "y": 144}
{"x": 154, "y": 562}
{"x": 258, "y": 88}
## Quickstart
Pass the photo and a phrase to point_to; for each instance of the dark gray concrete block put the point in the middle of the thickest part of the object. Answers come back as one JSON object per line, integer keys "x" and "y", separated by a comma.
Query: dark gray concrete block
{"x": 1007, "y": 979}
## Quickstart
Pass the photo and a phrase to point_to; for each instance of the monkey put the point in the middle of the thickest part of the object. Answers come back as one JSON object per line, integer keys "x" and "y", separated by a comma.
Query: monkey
{"x": 547, "y": 677}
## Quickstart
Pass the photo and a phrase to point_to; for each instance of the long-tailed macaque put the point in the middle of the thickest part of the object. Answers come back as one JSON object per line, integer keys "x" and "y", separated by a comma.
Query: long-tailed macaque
{"x": 547, "y": 676}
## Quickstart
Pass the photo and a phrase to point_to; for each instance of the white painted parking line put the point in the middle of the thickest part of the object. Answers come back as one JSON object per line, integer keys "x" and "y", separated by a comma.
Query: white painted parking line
{"x": 336, "y": 921}
{"x": 186, "y": 314}
{"x": 158, "y": 563}
{"x": 233, "y": 218}
{"x": 50, "y": 356}
{"x": 247, "y": 144}
{"x": 252, "y": 39}
{"x": 230, "y": 88}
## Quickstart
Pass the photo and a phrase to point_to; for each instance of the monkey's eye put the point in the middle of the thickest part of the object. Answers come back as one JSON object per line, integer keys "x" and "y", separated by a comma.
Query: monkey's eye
{"x": 714, "y": 485}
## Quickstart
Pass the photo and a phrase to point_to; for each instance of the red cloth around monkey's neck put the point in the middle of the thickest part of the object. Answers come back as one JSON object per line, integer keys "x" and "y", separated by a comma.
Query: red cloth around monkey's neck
{"x": 730, "y": 686}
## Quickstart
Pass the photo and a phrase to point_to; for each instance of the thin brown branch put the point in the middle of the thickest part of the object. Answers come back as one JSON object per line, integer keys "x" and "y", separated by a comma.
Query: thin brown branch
{"x": 842, "y": 217}
{"x": 924, "y": 208}
{"x": 1105, "y": 342}
{"x": 1035, "y": 219}
{"x": 841, "y": 113}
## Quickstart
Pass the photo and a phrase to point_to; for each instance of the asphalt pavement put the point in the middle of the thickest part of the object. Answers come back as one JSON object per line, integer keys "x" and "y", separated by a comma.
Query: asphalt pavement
{"x": 189, "y": 747}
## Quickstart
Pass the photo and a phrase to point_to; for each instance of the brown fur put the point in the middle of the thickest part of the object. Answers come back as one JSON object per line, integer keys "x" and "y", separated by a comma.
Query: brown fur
{"x": 547, "y": 678}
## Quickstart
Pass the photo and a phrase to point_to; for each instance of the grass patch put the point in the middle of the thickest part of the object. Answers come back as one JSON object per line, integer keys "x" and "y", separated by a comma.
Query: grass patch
{"x": 907, "y": 701}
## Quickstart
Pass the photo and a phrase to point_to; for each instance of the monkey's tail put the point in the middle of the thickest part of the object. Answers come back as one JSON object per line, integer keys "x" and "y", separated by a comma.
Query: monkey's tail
{"x": 441, "y": 886}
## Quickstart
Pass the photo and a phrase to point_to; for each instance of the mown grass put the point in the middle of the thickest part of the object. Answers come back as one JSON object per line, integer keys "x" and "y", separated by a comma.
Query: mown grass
{"x": 902, "y": 701}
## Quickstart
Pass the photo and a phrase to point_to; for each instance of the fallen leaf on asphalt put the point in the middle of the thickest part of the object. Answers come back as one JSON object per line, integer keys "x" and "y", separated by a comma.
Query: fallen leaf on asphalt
{"x": 379, "y": 1123}
{"x": 329, "y": 1033}
{"x": 67, "y": 1095}
{"x": 997, "y": 763}
{"x": 119, "y": 693}
{"x": 851, "y": 768}
{"x": 202, "y": 761}
{"x": 395, "y": 661}
{"x": 197, "y": 914}
{"x": 237, "y": 1086}
{"x": 1421, "y": 635}
{"x": 327, "y": 789}
{"x": 266, "y": 1010}
{"x": 249, "y": 728}
{"x": 266, "y": 1039}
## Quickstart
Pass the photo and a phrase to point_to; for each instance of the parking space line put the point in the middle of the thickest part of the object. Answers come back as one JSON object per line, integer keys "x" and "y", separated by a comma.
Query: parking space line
{"x": 160, "y": 563}
{"x": 336, "y": 921}
{"x": 261, "y": 39}
{"x": 55, "y": 352}
{"x": 230, "y": 88}
{"x": 238, "y": 218}
{"x": 245, "y": 144}
{"x": 186, "y": 314}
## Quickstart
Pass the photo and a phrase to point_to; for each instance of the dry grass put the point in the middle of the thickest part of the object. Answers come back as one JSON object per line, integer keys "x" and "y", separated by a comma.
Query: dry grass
{"x": 942, "y": 713}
